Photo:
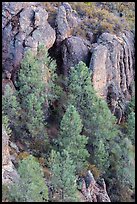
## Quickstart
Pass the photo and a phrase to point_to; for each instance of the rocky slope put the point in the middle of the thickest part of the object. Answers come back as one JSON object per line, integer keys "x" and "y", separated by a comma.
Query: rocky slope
{"x": 110, "y": 56}
{"x": 9, "y": 173}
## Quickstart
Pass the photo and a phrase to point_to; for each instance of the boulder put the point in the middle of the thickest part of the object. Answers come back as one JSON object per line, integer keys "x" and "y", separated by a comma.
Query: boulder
{"x": 112, "y": 65}
{"x": 74, "y": 50}
{"x": 25, "y": 26}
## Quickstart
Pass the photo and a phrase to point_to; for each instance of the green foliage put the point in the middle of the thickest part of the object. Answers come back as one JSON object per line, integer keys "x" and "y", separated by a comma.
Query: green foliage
{"x": 125, "y": 168}
{"x": 70, "y": 138}
{"x": 63, "y": 175}
{"x": 48, "y": 68}
{"x": 35, "y": 117}
{"x": 37, "y": 90}
{"x": 30, "y": 79}
{"x": 98, "y": 19}
{"x": 11, "y": 109}
{"x": 128, "y": 172}
{"x": 31, "y": 186}
{"x": 94, "y": 113}
{"x": 131, "y": 105}
{"x": 101, "y": 155}
{"x": 5, "y": 193}
{"x": 122, "y": 171}
{"x": 5, "y": 122}
{"x": 126, "y": 8}
{"x": 32, "y": 96}
{"x": 131, "y": 127}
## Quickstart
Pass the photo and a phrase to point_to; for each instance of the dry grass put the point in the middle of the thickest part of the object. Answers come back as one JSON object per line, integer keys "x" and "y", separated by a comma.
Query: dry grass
{"x": 98, "y": 17}
{"x": 101, "y": 19}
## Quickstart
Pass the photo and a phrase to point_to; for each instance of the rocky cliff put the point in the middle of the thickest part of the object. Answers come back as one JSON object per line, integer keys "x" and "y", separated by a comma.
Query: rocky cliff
{"x": 110, "y": 56}
{"x": 112, "y": 64}
{"x": 24, "y": 26}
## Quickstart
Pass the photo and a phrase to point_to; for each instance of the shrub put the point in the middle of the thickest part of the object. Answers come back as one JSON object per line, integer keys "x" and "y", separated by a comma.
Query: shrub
{"x": 102, "y": 16}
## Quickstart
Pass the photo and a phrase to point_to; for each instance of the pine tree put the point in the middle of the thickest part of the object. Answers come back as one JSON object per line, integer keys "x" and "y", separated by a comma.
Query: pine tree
{"x": 6, "y": 123}
{"x": 131, "y": 105}
{"x": 31, "y": 93}
{"x": 99, "y": 124}
{"x": 11, "y": 109}
{"x": 70, "y": 138}
{"x": 100, "y": 155}
{"x": 123, "y": 162}
{"x": 63, "y": 175}
{"x": 131, "y": 127}
{"x": 37, "y": 90}
{"x": 49, "y": 75}
{"x": 126, "y": 168}
{"x": 31, "y": 186}
{"x": 35, "y": 117}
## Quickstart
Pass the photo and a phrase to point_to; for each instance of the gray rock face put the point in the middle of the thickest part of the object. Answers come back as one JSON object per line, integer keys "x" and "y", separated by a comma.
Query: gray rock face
{"x": 112, "y": 66}
{"x": 74, "y": 50}
{"x": 65, "y": 22}
{"x": 9, "y": 173}
{"x": 25, "y": 26}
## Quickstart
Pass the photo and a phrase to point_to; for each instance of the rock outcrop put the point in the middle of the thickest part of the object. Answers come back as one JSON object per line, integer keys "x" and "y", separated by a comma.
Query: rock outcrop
{"x": 9, "y": 173}
{"x": 74, "y": 50}
{"x": 112, "y": 67}
{"x": 92, "y": 190}
{"x": 24, "y": 26}
{"x": 66, "y": 21}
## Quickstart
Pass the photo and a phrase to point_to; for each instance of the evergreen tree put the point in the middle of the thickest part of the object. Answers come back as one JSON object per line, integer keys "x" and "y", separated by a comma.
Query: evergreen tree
{"x": 32, "y": 96}
{"x": 31, "y": 186}
{"x": 35, "y": 117}
{"x": 70, "y": 138}
{"x": 130, "y": 106}
{"x": 123, "y": 163}
{"x": 49, "y": 75}
{"x": 126, "y": 168}
{"x": 37, "y": 90}
{"x": 5, "y": 122}
{"x": 99, "y": 124}
{"x": 11, "y": 109}
{"x": 131, "y": 127}
{"x": 63, "y": 175}
{"x": 100, "y": 156}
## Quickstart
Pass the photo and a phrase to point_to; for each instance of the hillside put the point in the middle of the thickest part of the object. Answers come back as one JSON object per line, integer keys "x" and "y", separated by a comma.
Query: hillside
{"x": 68, "y": 101}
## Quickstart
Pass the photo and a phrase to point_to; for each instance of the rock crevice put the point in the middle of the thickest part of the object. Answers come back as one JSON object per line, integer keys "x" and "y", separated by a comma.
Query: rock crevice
{"x": 112, "y": 66}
